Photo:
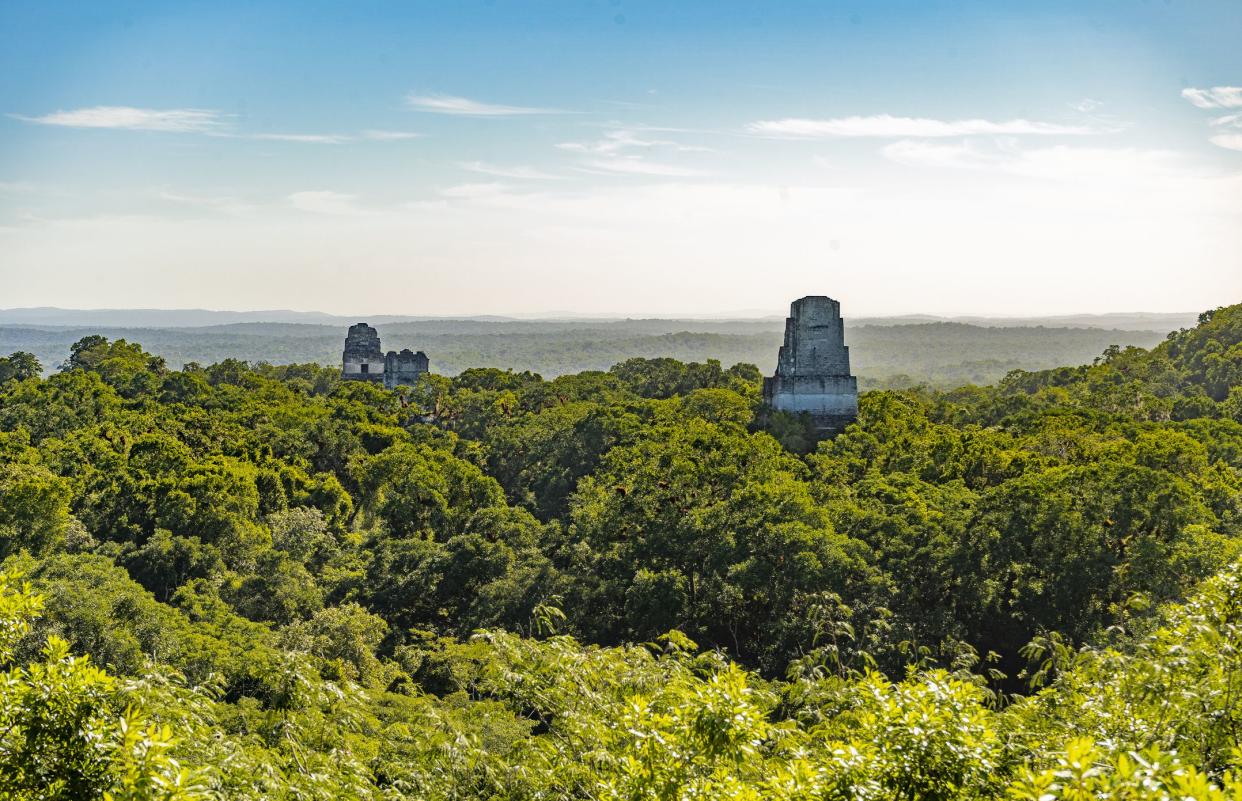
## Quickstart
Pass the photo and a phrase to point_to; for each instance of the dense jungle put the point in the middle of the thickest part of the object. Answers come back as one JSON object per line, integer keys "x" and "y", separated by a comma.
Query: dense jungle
{"x": 256, "y": 581}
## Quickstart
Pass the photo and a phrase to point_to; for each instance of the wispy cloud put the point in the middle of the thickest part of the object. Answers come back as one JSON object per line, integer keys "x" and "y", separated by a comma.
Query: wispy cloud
{"x": 624, "y": 151}
{"x": 335, "y": 139}
{"x": 521, "y": 172}
{"x": 631, "y": 165}
{"x": 1228, "y": 141}
{"x": 326, "y": 202}
{"x": 176, "y": 120}
{"x": 1215, "y": 97}
{"x": 621, "y": 139}
{"x": 1086, "y": 105}
{"x": 191, "y": 120}
{"x": 1220, "y": 97}
{"x": 887, "y": 126}
{"x": 224, "y": 205}
{"x": 465, "y": 107}
{"x": 311, "y": 139}
{"x": 475, "y": 191}
{"x": 388, "y": 136}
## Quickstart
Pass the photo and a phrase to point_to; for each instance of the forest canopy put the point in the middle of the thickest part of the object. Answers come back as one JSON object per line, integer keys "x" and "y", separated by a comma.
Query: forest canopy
{"x": 253, "y": 581}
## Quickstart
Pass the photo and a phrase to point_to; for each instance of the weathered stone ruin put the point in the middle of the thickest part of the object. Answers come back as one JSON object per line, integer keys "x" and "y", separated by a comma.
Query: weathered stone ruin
{"x": 404, "y": 367}
{"x": 363, "y": 360}
{"x": 813, "y": 367}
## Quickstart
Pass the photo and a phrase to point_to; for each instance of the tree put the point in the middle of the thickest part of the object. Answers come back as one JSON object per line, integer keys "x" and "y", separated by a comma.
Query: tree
{"x": 65, "y": 732}
{"x": 34, "y": 508}
{"x": 716, "y": 522}
{"x": 415, "y": 489}
{"x": 347, "y": 635}
{"x": 165, "y": 562}
{"x": 19, "y": 366}
{"x": 124, "y": 366}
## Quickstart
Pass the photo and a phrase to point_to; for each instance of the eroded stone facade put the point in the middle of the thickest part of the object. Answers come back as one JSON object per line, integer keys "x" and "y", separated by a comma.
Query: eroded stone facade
{"x": 813, "y": 366}
{"x": 363, "y": 360}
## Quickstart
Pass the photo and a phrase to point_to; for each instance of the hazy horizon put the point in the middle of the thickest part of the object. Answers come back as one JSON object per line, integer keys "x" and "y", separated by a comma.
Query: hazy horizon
{"x": 569, "y": 315}
{"x": 622, "y": 157}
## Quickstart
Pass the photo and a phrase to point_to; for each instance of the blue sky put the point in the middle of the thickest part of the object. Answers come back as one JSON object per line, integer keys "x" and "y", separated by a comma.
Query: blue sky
{"x": 619, "y": 156}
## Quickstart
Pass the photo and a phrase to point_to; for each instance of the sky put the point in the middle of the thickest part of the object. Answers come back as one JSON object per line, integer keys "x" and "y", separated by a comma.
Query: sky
{"x": 622, "y": 157}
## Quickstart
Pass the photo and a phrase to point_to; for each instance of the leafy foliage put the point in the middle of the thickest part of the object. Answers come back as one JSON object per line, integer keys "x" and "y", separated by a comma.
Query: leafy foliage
{"x": 261, "y": 582}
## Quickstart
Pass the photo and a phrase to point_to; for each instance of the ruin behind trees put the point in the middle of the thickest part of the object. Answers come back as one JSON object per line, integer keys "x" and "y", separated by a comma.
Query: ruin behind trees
{"x": 363, "y": 360}
{"x": 813, "y": 367}
{"x": 812, "y": 370}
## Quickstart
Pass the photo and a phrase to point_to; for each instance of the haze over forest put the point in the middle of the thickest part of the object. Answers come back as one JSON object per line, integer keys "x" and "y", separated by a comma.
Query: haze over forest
{"x": 899, "y": 351}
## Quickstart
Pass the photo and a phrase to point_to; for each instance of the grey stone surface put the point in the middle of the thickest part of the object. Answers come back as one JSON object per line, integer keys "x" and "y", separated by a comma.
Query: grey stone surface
{"x": 364, "y": 360}
{"x": 813, "y": 366}
{"x": 404, "y": 367}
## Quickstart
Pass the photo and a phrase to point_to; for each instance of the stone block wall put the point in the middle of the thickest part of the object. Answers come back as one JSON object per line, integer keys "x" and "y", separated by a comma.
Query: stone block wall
{"x": 813, "y": 366}
{"x": 364, "y": 360}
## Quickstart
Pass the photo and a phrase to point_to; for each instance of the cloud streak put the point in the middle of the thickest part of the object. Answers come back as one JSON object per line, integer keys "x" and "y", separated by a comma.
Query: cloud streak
{"x": 888, "y": 126}
{"x": 629, "y": 165}
{"x": 614, "y": 154}
{"x": 1227, "y": 141}
{"x": 192, "y": 121}
{"x": 388, "y": 136}
{"x": 176, "y": 120}
{"x": 622, "y": 139}
{"x": 465, "y": 107}
{"x": 520, "y": 172}
{"x": 224, "y": 205}
{"x": 1220, "y": 97}
{"x": 475, "y": 191}
{"x": 311, "y": 139}
{"x": 335, "y": 139}
{"x": 1215, "y": 97}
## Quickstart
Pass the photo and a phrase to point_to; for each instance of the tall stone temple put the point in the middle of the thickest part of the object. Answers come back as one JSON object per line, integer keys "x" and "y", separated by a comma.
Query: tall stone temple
{"x": 813, "y": 367}
{"x": 363, "y": 360}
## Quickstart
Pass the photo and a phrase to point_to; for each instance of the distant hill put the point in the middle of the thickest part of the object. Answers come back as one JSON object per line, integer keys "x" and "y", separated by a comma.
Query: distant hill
{"x": 150, "y": 318}
{"x": 193, "y": 318}
{"x": 887, "y": 354}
